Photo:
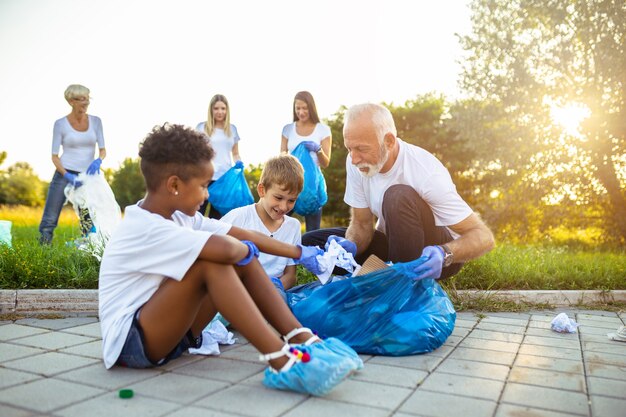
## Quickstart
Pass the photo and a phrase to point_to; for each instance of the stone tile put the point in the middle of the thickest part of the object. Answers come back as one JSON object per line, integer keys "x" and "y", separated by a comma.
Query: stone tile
{"x": 509, "y": 410}
{"x": 596, "y": 315}
{"x": 503, "y": 328}
{"x": 198, "y": 412}
{"x": 548, "y": 398}
{"x": 511, "y": 315}
{"x": 10, "y": 377}
{"x": 110, "y": 379}
{"x": 480, "y": 355}
{"x": 549, "y": 364}
{"x": 550, "y": 379}
{"x": 246, "y": 400}
{"x": 442, "y": 351}
{"x": 474, "y": 369}
{"x": 466, "y": 315}
{"x": 369, "y": 394}
{"x": 9, "y": 351}
{"x": 497, "y": 336}
{"x": 540, "y": 324}
{"x": 316, "y": 407}
{"x": 547, "y": 332}
{"x": 606, "y": 387}
{"x": 15, "y": 331}
{"x": 542, "y": 317}
{"x": 432, "y": 404}
{"x": 608, "y": 407}
{"x": 487, "y": 389}
{"x": 91, "y": 330}
{"x": 426, "y": 362}
{"x": 43, "y": 395}
{"x": 602, "y": 331}
{"x": 521, "y": 322}
{"x": 50, "y": 363}
{"x": 604, "y": 323}
{"x": 184, "y": 360}
{"x": 460, "y": 332}
{"x": 91, "y": 349}
{"x": 597, "y": 338}
{"x": 604, "y": 370}
{"x": 467, "y": 324}
{"x": 453, "y": 340}
{"x": 53, "y": 340}
{"x": 246, "y": 353}
{"x": 178, "y": 388}
{"x": 613, "y": 347}
{"x": 608, "y": 358}
{"x": 8, "y": 411}
{"x": 509, "y": 347}
{"x": 550, "y": 352}
{"x": 57, "y": 324}
{"x": 110, "y": 404}
{"x": 221, "y": 369}
{"x": 569, "y": 343}
{"x": 390, "y": 375}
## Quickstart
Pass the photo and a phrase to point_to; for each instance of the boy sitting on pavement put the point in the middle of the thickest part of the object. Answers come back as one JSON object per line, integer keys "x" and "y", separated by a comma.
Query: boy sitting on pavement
{"x": 281, "y": 182}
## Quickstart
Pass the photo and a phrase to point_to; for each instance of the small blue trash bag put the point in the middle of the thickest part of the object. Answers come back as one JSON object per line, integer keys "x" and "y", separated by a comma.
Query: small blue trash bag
{"x": 381, "y": 313}
{"x": 313, "y": 195}
{"x": 230, "y": 191}
{"x": 5, "y": 232}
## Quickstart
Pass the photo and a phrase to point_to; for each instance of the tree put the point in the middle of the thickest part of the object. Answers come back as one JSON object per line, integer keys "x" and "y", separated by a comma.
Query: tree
{"x": 20, "y": 185}
{"x": 529, "y": 56}
{"x": 127, "y": 183}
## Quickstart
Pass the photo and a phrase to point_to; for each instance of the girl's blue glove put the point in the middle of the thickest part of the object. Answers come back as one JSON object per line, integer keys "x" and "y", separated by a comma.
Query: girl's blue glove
{"x": 308, "y": 258}
{"x": 94, "y": 167}
{"x": 72, "y": 179}
{"x": 238, "y": 165}
{"x": 431, "y": 269}
{"x": 311, "y": 146}
{"x": 253, "y": 252}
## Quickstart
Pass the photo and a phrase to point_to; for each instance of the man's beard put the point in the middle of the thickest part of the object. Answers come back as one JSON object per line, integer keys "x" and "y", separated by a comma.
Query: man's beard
{"x": 373, "y": 169}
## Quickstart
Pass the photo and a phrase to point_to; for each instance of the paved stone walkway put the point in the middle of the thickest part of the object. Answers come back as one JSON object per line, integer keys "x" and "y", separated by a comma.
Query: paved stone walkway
{"x": 494, "y": 364}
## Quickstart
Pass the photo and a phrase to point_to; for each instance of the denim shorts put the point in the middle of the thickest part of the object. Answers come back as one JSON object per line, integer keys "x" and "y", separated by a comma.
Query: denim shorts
{"x": 133, "y": 353}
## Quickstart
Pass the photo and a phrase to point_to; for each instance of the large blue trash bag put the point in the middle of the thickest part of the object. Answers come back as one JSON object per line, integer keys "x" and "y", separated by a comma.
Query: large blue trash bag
{"x": 384, "y": 312}
{"x": 230, "y": 191}
{"x": 313, "y": 195}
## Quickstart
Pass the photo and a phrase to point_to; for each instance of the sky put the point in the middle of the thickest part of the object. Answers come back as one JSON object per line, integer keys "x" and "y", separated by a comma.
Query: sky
{"x": 150, "y": 62}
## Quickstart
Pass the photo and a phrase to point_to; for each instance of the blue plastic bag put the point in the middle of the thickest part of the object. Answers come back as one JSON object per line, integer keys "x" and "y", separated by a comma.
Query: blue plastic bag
{"x": 230, "y": 191}
{"x": 313, "y": 195}
{"x": 381, "y": 313}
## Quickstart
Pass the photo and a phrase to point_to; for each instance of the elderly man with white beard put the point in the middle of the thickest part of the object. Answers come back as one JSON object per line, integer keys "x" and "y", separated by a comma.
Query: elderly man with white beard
{"x": 412, "y": 195}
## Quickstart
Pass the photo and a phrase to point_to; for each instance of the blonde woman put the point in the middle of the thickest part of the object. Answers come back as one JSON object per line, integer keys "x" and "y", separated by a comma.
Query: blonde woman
{"x": 224, "y": 139}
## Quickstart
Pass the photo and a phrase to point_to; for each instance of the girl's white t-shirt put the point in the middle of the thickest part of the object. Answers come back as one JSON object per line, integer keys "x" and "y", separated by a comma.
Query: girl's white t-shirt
{"x": 320, "y": 132}
{"x": 223, "y": 147}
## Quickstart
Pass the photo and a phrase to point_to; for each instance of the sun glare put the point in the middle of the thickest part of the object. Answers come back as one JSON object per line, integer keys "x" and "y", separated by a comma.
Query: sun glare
{"x": 570, "y": 117}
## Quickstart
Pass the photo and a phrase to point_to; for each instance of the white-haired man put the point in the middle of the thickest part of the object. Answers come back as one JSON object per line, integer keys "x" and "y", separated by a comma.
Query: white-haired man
{"x": 411, "y": 194}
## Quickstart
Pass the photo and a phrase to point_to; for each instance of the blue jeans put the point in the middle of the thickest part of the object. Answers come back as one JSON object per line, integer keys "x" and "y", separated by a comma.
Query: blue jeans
{"x": 52, "y": 210}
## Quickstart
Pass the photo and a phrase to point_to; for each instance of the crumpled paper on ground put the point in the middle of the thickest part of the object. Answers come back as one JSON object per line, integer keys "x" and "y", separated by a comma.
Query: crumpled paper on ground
{"x": 334, "y": 256}
{"x": 619, "y": 336}
{"x": 563, "y": 324}
{"x": 213, "y": 335}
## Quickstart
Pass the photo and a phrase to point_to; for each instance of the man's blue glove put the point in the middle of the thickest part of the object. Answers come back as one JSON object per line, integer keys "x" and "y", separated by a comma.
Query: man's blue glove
{"x": 238, "y": 165}
{"x": 94, "y": 167}
{"x": 311, "y": 146}
{"x": 253, "y": 252}
{"x": 348, "y": 245}
{"x": 72, "y": 179}
{"x": 431, "y": 269}
{"x": 308, "y": 258}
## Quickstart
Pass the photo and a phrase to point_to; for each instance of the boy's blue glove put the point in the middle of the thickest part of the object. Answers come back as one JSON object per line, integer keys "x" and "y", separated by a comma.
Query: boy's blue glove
{"x": 238, "y": 165}
{"x": 94, "y": 167}
{"x": 311, "y": 146}
{"x": 72, "y": 179}
{"x": 308, "y": 258}
{"x": 348, "y": 245}
{"x": 253, "y": 252}
{"x": 431, "y": 269}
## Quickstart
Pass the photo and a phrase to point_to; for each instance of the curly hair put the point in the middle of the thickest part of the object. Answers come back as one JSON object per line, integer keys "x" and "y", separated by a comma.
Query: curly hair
{"x": 172, "y": 149}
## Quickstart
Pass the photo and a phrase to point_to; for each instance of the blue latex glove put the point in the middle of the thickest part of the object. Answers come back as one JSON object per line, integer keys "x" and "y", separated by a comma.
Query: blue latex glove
{"x": 238, "y": 165}
{"x": 311, "y": 146}
{"x": 94, "y": 167}
{"x": 253, "y": 252}
{"x": 431, "y": 269}
{"x": 72, "y": 179}
{"x": 308, "y": 258}
{"x": 348, "y": 245}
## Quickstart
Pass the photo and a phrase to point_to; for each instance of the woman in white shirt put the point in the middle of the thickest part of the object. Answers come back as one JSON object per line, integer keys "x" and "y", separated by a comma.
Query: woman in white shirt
{"x": 306, "y": 127}
{"x": 224, "y": 140}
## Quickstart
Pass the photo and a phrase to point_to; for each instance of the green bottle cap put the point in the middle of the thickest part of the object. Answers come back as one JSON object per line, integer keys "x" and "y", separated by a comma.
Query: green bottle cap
{"x": 126, "y": 393}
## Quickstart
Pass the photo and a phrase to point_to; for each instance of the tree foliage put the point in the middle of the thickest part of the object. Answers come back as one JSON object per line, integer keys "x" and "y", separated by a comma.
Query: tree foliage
{"x": 525, "y": 57}
{"x": 127, "y": 183}
{"x": 20, "y": 185}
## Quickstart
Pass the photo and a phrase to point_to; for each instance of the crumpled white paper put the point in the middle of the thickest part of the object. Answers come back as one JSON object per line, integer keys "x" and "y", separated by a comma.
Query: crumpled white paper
{"x": 334, "y": 256}
{"x": 213, "y": 335}
{"x": 563, "y": 324}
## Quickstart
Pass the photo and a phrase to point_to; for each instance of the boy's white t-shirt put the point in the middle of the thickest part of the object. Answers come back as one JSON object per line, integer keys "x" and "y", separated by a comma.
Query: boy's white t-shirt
{"x": 320, "y": 132}
{"x": 417, "y": 168}
{"x": 144, "y": 250}
{"x": 78, "y": 147}
{"x": 223, "y": 147}
{"x": 246, "y": 217}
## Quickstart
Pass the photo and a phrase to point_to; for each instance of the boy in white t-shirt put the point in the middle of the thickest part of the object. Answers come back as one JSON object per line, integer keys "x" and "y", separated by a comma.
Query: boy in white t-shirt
{"x": 167, "y": 271}
{"x": 281, "y": 182}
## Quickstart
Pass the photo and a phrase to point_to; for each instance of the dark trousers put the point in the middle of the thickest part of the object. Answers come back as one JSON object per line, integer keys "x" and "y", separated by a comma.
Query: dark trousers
{"x": 409, "y": 227}
{"x": 213, "y": 214}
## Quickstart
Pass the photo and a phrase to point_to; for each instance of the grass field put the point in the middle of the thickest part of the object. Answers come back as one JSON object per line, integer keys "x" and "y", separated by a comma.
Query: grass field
{"x": 520, "y": 267}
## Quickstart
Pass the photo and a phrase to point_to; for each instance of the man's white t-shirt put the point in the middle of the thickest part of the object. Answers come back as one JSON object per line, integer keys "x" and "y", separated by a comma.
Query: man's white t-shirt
{"x": 246, "y": 217}
{"x": 144, "y": 250}
{"x": 78, "y": 147}
{"x": 417, "y": 168}
{"x": 320, "y": 132}
{"x": 223, "y": 147}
